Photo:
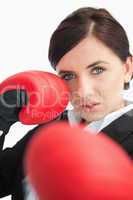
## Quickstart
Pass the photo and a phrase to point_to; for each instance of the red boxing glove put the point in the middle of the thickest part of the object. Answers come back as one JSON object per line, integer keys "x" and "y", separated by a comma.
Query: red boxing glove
{"x": 65, "y": 163}
{"x": 47, "y": 95}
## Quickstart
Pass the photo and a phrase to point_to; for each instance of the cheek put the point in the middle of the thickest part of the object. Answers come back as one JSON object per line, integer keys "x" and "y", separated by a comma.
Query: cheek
{"x": 111, "y": 89}
{"x": 72, "y": 87}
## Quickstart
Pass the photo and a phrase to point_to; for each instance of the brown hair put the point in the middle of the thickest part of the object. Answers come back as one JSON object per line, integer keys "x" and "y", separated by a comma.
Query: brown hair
{"x": 79, "y": 24}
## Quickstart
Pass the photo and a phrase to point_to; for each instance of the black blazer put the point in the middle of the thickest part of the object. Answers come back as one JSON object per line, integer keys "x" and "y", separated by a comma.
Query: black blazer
{"x": 11, "y": 159}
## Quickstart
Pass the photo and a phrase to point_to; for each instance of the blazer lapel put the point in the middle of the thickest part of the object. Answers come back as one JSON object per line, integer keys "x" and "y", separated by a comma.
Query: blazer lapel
{"x": 121, "y": 128}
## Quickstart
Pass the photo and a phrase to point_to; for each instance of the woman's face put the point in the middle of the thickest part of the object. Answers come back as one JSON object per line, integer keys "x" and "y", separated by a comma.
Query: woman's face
{"x": 95, "y": 77}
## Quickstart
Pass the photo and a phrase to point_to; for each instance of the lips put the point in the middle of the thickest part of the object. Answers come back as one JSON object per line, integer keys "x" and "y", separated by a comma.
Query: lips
{"x": 89, "y": 105}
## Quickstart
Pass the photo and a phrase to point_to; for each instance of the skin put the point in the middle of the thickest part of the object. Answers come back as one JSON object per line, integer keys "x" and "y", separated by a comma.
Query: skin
{"x": 95, "y": 76}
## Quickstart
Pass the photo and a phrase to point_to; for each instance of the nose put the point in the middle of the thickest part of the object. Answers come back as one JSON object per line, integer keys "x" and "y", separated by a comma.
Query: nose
{"x": 85, "y": 88}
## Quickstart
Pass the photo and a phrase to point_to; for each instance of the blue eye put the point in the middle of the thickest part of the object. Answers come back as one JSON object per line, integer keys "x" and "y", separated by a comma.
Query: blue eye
{"x": 67, "y": 77}
{"x": 97, "y": 70}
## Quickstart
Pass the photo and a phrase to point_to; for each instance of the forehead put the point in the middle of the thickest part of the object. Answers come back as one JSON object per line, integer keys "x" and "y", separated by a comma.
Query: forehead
{"x": 89, "y": 50}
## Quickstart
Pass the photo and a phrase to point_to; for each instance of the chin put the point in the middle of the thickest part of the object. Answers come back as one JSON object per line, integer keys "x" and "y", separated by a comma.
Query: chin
{"x": 92, "y": 117}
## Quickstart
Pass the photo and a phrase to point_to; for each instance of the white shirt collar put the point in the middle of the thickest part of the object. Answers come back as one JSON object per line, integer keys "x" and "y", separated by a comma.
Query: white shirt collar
{"x": 97, "y": 126}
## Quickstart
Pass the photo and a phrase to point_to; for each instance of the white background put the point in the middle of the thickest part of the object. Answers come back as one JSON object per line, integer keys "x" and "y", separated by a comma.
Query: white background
{"x": 25, "y": 30}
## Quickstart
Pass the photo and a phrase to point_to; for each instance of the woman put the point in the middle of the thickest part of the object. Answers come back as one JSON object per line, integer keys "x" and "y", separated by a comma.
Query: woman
{"x": 90, "y": 51}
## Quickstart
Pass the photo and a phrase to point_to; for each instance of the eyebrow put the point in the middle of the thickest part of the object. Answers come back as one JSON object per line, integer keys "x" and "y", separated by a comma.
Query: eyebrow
{"x": 89, "y": 66}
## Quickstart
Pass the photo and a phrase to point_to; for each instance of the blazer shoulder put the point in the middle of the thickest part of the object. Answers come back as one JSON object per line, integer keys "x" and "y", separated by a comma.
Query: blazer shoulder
{"x": 121, "y": 131}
